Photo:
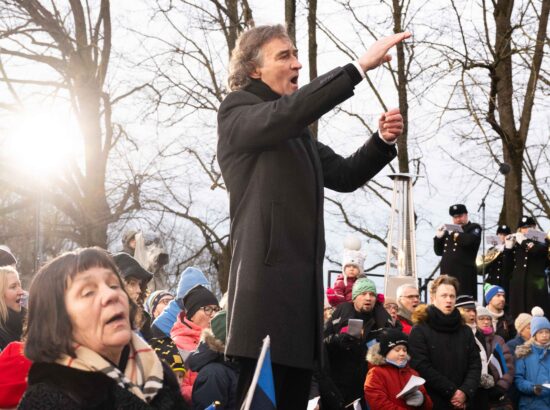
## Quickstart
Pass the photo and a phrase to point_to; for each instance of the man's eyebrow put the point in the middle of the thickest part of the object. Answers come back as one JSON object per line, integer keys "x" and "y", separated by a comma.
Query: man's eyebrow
{"x": 287, "y": 51}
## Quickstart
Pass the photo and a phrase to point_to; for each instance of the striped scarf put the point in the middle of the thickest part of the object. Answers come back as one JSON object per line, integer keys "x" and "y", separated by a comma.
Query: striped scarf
{"x": 143, "y": 375}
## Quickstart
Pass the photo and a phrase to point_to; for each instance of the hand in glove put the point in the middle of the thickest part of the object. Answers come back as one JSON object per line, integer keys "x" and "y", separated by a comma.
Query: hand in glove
{"x": 520, "y": 237}
{"x": 415, "y": 399}
{"x": 440, "y": 232}
{"x": 509, "y": 241}
{"x": 496, "y": 393}
{"x": 344, "y": 340}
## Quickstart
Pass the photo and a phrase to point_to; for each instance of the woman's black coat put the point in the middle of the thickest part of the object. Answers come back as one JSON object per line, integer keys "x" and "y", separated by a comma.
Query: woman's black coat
{"x": 54, "y": 386}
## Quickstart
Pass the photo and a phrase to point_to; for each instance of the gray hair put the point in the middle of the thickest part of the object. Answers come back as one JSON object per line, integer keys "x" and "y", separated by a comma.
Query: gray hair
{"x": 401, "y": 289}
{"x": 246, "y": 55}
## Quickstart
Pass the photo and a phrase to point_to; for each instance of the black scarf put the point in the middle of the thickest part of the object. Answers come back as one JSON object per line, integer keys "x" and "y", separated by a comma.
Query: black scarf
{"x": 442, "y": 322}
{"x": 12, "y": 329}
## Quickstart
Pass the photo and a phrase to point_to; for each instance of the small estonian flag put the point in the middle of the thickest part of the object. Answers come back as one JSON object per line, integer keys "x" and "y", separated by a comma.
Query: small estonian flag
{"x": 261, "y": 394}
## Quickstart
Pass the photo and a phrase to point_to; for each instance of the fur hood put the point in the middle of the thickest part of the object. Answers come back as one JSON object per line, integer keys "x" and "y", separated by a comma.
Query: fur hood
{"x": 375, "y": 358}
{"x": 420, "y": 314}
{"x": 210, "y": 340}
{"x": 526, "y": 349}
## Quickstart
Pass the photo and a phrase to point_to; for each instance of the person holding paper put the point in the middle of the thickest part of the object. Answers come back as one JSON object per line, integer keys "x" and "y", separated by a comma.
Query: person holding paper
{"x": 443, "y": 350}
{"x": 499, "y": 359}
{"x": 526, "y": 261}
{"x": 533, "y": 367}
{"x": 494, "y": 260}
{"x": 391, "y": 383}
{"x": 347, "y": 347}
{"x": 458, "y": 245}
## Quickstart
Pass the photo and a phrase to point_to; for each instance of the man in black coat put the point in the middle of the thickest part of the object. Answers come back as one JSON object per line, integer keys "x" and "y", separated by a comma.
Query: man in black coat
{"x": 527, "y": 262}
{"x": 347, "y": 352}
{"x": 443, "y": 349}
{"x": 275, "y": 173}
{"x": 458, "y": 250}
{"x": 494, "y": 261}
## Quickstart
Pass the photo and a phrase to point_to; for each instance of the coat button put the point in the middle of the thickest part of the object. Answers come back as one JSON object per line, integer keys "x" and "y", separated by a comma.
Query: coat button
{"x": 524, "y": 266}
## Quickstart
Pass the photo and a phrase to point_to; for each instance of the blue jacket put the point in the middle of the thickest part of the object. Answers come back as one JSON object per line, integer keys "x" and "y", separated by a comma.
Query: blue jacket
{"x": 532, "y": 367}
{"x": 515, "y": 342}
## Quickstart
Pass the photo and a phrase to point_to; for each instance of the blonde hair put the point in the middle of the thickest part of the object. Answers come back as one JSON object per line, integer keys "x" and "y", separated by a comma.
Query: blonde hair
{"x": 444, "y": 280}
{"x": 4, "y": 272}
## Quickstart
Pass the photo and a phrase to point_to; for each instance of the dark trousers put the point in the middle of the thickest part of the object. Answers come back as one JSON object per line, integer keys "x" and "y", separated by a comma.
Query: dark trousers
{"x": 292, "y": 384}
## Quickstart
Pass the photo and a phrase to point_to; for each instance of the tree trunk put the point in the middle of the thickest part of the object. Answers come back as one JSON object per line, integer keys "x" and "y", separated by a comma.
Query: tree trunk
{"x": 290, "y": 19}
{"x": 402, "y": 141}
{"x": 312, "y": 52}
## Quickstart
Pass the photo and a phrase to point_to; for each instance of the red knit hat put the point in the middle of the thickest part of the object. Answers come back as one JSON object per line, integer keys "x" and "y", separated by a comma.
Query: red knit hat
{"x": 14, "y": 368}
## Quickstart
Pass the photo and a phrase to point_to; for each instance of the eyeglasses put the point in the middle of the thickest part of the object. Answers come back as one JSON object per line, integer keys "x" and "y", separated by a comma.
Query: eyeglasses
{"x": 410, "y": 297}
{"x": 209, "y": 310}
{"x": 391, "y": 307}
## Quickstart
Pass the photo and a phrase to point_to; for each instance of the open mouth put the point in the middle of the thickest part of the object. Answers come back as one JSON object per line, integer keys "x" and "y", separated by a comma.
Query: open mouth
{"x": 116, "y": 318}
{"x": 19, "y": 300}
{"x": 294, "y": 80}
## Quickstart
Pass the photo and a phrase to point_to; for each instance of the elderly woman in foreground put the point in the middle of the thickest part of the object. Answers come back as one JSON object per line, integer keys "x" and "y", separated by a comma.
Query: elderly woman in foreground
{"x": 80, "y": 339}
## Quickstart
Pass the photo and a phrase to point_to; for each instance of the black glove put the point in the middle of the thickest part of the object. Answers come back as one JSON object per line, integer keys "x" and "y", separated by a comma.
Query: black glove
{"x": 344, "y": 340}
{"x": 496, "y": 393}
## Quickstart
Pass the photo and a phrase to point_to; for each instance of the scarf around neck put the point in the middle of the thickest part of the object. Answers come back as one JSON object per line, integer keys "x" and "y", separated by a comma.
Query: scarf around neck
{"x": 442, "y": 322}
{"x": 142, "y": 375}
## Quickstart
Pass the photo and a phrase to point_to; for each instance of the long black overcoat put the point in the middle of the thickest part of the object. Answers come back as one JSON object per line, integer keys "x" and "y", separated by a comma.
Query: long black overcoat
{"x": 529, "y": 282}
{"x": 458, "y": 256}
{"x": 275, "y": 173}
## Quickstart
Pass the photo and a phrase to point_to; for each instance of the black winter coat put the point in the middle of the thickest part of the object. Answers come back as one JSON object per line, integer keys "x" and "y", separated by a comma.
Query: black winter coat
{"x": 495, "y": 272}
{"x": 54, "y": 386}
{"x": 458, "y": 256}
{"x": 12, "y": 330}
{"x": 275, "y": 174}
{"x": 529, "y": 282}
{"x": 216, "y": 379}
{"x": 347, "y": 356}
{"x": 444, "y": 352}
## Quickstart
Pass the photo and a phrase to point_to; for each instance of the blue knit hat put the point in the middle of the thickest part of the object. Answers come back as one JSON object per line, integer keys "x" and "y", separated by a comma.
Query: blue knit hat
{"x": 539, "y": 323}
{"x": 491, "y": 291}
{"x": 190, "y": 278}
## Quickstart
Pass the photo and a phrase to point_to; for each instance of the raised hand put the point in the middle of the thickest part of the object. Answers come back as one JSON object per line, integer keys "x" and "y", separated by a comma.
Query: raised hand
{"x": 377, "y": 54}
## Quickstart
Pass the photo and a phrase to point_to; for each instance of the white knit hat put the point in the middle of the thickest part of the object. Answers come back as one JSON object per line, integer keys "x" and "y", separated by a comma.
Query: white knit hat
{"x": 352, "y": 255}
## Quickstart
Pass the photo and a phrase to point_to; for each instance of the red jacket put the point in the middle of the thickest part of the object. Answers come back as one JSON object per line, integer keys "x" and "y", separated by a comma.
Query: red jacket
{"x": 385, "y": 381}
{"x": 186, "y": 335}
{"x": 341, "y": 292}
{"x": 14, "y": 369}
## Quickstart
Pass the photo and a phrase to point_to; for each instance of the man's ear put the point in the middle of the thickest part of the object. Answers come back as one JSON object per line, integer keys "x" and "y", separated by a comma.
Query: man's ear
{"x": 256, "y": 73}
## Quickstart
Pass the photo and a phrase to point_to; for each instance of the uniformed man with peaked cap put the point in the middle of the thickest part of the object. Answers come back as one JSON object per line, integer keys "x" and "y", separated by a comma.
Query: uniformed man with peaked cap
{"x": 494, "y": 261}
{"x": 458, "y": 250}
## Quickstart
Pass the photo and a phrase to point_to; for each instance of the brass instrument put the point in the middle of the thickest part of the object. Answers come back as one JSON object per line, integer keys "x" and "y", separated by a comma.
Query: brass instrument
{"x": 488, "y": 258}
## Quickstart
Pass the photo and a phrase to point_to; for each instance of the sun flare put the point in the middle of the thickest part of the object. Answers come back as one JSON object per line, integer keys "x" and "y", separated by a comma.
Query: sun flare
{"x": 39, "y": 142}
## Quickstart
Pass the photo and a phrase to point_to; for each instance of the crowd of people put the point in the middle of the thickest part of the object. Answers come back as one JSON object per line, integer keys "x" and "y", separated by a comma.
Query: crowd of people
{"x": 90, "y": 335}
{"x": 93, "y": 336}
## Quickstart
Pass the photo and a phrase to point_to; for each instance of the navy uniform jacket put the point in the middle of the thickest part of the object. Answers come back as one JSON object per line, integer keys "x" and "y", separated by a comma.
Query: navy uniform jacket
{"x": 459, "y": 256}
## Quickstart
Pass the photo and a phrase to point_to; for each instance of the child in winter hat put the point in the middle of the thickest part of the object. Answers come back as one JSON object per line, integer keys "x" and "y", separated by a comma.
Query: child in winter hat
{"x": 352, "y": 269}
{"x": 533, "y": 366}
{"x": 390, "y": 372}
